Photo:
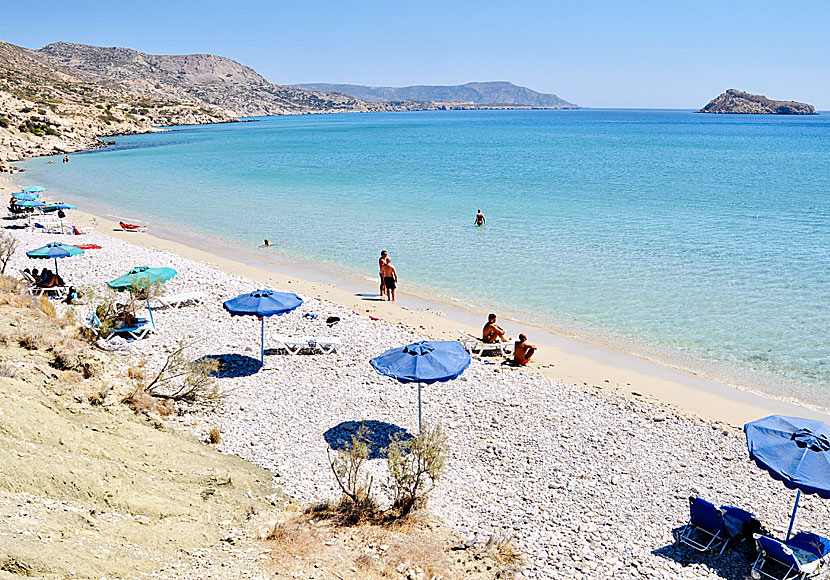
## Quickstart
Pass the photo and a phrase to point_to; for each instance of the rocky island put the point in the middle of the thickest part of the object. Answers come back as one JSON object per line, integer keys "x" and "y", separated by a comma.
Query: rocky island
{"x": 739, "y": 102}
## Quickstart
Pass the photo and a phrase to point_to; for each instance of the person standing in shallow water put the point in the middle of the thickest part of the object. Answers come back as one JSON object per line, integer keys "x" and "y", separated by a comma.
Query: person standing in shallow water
{"x": 381, "y": 261}
{"x": 390, "y": 278}
{"x": 480, "y": 221}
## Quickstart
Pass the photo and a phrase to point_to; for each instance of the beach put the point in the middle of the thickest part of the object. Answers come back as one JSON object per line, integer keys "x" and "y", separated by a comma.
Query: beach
{"x": 587, "y": 456}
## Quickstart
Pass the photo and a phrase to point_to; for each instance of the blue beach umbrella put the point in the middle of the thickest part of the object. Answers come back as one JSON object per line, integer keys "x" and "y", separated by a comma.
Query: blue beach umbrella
{"x": 54, "y": 251}
{"x": 794, "y": 451}
{"x": 262, "y": 303}
{"x": 428, "y": 361}
{"x": 33, "y": 189}
{"x": 29, "y": 203}
{"x": 25, "y": 196}
{"x": 141, "y": 277}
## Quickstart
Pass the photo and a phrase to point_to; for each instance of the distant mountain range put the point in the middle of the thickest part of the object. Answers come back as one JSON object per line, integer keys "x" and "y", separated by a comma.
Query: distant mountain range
{"x": 487, "y": 93}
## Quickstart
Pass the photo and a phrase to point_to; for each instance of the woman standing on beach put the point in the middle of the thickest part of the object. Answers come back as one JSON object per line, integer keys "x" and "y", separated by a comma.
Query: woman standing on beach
{"x": 381, "y": 262}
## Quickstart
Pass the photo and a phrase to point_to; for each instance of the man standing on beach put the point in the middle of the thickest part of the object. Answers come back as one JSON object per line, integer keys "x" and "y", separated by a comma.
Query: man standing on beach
{"x": 381, "y": 261}
{"x": 480, "y": 221}
{"x": 390, "y": 278}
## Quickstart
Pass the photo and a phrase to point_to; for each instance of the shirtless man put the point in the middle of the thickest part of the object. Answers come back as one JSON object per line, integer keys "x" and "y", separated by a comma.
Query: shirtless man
{"x": 381, "y": 261}
{"x": 492, "y": 332}
{"x": 523, "y": 351}
{"x": 480, "y": 218}
{"x": 390, "y": 278}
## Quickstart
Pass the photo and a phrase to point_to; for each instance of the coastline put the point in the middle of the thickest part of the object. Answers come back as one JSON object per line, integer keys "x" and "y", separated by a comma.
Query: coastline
{"x": 561, "y": 357}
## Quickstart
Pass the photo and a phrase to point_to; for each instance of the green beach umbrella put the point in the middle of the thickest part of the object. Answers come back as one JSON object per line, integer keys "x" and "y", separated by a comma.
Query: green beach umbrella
{"x": 29, "y": 203}
{"x": 54, "y": 251}
{"x": 141, "y": 277}
{"x": 33, "y": 188}
{"x": 58, "y": 206}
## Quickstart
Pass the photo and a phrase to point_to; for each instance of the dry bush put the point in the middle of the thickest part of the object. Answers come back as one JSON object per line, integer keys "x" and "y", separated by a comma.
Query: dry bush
{"x": 504, "y": 550}
{"x": 348, "y": 466}
{"x": 45, "y": 305}
{"x": 214, "y": 436}
{"x": 11, "y": 285}
{"x": 415, "y": 465}
{"x": 31, "y": 339}
{"x": 8, "y": 245}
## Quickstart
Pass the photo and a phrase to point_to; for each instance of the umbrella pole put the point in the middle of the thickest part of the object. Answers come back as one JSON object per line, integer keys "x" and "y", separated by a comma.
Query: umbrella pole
{"x": 150, "y": 310}
{"x": 795, "y": 509}
{"x": 419, "y": 408}
{"x": 262, "y": 344}
{"x": 56, "y": 266}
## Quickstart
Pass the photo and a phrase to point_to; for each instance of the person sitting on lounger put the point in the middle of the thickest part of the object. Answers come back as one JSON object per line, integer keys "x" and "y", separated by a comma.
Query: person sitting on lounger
{"x": 523, "y": 351}
{"x": 125, "y": 318}
{"x": 52, "y": 280}
{"x": 492, "y": 332}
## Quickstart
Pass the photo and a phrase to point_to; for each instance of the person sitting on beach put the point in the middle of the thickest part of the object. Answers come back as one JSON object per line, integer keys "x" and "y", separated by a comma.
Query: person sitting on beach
{"x": 480, "y": 221}
{"x": 390, "y": 278}
{"x": 124, "y": 317}
{"x": 381, "y": 261}
{"x": 45, "y": 274}
{"x": 492, "y": 332}
{"x": 523, "y": 351}
{"x": 50, "y": 281}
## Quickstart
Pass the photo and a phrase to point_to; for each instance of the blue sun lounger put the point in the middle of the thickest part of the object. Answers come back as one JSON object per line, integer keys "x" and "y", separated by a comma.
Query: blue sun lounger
{"x": 136, "y": 331}
{"x": 711, "y": 528}
{"x": 803, "y": 556}
{"x": 705, "y": 530}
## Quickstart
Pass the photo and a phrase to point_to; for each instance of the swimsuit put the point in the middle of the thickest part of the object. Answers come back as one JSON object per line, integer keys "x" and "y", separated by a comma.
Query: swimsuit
{"x": 389, "y": 282}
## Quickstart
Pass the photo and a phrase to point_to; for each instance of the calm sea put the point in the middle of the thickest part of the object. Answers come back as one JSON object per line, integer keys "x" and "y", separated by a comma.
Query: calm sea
{"x": 705, "y": 237}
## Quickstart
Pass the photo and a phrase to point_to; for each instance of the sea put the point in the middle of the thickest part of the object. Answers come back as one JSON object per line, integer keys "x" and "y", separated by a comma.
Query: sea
{"x": 700, "y": 239}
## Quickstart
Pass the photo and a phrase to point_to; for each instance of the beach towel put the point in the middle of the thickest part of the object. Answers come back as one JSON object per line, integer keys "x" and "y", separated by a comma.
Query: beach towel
{"x": 88, "y": 247}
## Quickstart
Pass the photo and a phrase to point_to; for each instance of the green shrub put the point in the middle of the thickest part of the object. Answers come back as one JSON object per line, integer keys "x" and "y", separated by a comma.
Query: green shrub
{"x": 415, "y": 465}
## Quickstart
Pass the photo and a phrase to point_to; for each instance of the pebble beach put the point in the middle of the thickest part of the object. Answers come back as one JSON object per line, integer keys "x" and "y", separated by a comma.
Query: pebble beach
{"x": 589, "y": 482}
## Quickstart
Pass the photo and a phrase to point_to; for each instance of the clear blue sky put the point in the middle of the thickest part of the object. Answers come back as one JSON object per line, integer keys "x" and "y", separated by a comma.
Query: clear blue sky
{"x": 610, "y": 53}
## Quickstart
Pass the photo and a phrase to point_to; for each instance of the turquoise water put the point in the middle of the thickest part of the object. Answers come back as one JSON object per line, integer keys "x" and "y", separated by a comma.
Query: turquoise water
{"x": 702, "y": 235}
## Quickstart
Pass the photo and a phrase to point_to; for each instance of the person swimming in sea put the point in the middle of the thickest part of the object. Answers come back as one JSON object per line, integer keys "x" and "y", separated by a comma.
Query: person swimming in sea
{"x": 480, "y": 221}
{"x": 267, "y": 244}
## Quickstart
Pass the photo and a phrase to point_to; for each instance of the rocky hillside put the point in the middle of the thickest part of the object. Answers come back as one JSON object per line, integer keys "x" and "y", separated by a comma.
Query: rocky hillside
{"x": 735, "y": 101}
{"x": 204, "y": 78}
{"x": 489, "y": 93}
{"x": 46, "y": 110}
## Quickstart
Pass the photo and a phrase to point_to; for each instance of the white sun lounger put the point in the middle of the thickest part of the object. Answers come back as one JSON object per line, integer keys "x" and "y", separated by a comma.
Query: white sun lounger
{"x": 56, "y": 291}
{"x": 178, "y": 300}
{"x": 326, "y": 344}
{"x": 478, "y": 347}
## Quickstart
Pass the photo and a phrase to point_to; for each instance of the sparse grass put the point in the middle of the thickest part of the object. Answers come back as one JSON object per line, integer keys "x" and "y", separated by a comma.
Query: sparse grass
{"x": 46, "y": 306}
{"x": 30, "y": 339}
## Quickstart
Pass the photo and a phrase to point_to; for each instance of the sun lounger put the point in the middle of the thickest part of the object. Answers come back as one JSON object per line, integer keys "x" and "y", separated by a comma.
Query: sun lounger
{"x": 710, "y": 527}
{"x": 178, "y": 300}
{"x": 27, "y": 277}
{"x": 803, "y": 556}
{"x": 136, "y": 331}
{"x": 478, "y": 347}
{"x": 80, "y": 231}
{"x": 705, "y": 530}
{"x": 52, "y": 291}
{"x": 326, "y": 344}
{"x": 132, "y": 227}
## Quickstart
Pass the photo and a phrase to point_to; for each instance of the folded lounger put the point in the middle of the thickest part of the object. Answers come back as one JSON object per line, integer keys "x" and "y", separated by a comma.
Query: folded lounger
{"x": 478, "y": 347}
{"x": 802, "y": 556}
{"x": 177, "y": 300}
{"x": 136, "y": 331}
{"x": 326, "y": 344}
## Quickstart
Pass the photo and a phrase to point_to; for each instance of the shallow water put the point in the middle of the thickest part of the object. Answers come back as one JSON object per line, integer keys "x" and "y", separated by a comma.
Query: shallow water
{"x": 707, "y": 236}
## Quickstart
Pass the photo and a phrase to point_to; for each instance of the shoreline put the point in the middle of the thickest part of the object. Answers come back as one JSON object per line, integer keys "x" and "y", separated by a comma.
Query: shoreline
{"x": 561, "y": 357}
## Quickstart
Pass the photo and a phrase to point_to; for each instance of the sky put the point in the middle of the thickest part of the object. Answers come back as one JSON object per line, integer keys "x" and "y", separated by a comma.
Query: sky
{"x": 603, "y": 53}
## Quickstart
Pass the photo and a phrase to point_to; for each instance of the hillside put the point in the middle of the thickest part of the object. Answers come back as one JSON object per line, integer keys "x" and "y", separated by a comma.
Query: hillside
{"x": 739, "y": 102}
{"x": 204, "y": 78}
{"x": 46, "y": 110}
{"x": 488, "y": 93}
